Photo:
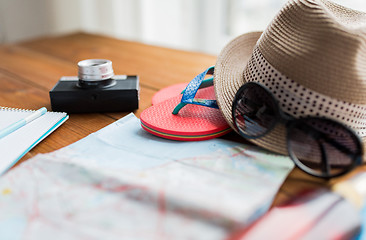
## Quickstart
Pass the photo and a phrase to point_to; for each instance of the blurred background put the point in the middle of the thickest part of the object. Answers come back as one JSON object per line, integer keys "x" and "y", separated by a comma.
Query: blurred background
{"x": 194, "y": 25}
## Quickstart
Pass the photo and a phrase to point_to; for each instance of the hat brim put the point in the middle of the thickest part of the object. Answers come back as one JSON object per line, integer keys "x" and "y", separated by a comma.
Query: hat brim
{"x": 229, "y": 77}
{"x": 229, "y": 68}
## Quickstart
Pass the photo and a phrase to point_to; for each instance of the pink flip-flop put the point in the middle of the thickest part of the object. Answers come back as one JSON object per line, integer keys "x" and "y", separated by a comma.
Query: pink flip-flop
{"x": 189, "y": 117}
{"x": 168, "y": 92}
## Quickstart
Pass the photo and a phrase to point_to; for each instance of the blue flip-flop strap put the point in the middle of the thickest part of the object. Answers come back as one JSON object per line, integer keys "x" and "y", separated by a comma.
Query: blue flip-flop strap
{"x": 191, "y": 91}
{"x": 205, "y": 83}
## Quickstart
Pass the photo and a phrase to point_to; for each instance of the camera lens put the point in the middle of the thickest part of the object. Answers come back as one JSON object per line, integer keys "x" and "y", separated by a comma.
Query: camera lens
{"x": 95, "y": 70}
{"x": 95, "y": 73}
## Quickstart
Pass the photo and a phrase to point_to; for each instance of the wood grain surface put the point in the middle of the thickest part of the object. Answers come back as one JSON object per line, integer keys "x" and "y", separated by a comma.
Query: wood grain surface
{"x": 29, "y": 70}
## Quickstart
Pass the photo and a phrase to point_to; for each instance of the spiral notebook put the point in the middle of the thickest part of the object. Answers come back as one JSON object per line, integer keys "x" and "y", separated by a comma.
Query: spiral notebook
{"x": 16, "y": 144}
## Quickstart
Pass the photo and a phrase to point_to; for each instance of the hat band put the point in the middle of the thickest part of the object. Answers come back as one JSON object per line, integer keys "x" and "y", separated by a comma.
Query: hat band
{"x": 300, "y": 101}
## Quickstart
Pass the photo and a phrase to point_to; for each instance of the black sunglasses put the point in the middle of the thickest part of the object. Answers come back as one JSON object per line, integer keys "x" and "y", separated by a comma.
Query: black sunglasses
{"x": 319, "y": 146}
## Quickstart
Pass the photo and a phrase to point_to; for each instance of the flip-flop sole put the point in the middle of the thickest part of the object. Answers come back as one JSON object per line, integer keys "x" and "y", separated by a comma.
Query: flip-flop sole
{"x": 192, "y": 123}
{"x": 168, "y": 92}
{"x": 186, "y": 138}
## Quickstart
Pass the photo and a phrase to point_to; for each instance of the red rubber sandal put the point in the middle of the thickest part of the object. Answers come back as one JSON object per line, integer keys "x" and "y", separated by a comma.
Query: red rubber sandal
{"x": 190, "y": 117}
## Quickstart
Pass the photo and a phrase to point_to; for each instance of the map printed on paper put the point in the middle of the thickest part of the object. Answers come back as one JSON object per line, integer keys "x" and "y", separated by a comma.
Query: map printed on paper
{"x": 123, "y": 183}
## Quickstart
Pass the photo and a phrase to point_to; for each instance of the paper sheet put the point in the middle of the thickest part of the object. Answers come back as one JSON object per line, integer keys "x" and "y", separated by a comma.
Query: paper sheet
{"x": 123, "y": 183}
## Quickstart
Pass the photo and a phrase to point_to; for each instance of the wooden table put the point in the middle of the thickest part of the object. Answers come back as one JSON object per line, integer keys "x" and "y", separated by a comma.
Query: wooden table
{"x": 30, "y": 69}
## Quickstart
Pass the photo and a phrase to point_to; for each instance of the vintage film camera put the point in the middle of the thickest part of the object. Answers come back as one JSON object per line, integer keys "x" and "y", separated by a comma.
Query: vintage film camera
{"x": 95, "y": 89}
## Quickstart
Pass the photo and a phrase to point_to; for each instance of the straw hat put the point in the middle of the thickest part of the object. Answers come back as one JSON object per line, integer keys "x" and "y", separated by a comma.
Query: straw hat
{"x": 312, "y": 57}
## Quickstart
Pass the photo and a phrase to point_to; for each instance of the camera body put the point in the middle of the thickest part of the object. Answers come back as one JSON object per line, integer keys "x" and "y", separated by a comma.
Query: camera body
{"x": 95, "y": 89}
{"x": 123, "y": 96}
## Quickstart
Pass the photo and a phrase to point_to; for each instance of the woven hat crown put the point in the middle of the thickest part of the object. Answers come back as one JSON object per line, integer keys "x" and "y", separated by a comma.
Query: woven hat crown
{"x": 321, "y": 45}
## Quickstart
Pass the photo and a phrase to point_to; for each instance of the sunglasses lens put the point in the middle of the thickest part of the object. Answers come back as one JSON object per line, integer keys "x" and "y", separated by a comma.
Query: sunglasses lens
{"x": 254, "y": 110}
{"x": 323, "y": 147}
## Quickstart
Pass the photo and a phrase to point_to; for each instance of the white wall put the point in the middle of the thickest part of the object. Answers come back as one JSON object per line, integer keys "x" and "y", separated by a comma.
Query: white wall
{"x": 198, "y": 25}
{"x": 25, "y": 19}
{"x": 182, "y": 24}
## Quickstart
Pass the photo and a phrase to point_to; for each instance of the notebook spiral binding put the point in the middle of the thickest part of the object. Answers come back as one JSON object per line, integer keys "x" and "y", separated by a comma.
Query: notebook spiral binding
{"x": 10, "y": 109}
{"x": 16, "y": 109}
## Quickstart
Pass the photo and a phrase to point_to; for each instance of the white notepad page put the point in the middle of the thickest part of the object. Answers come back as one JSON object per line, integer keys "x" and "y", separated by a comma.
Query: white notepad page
{"x": 18, "y": 143}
